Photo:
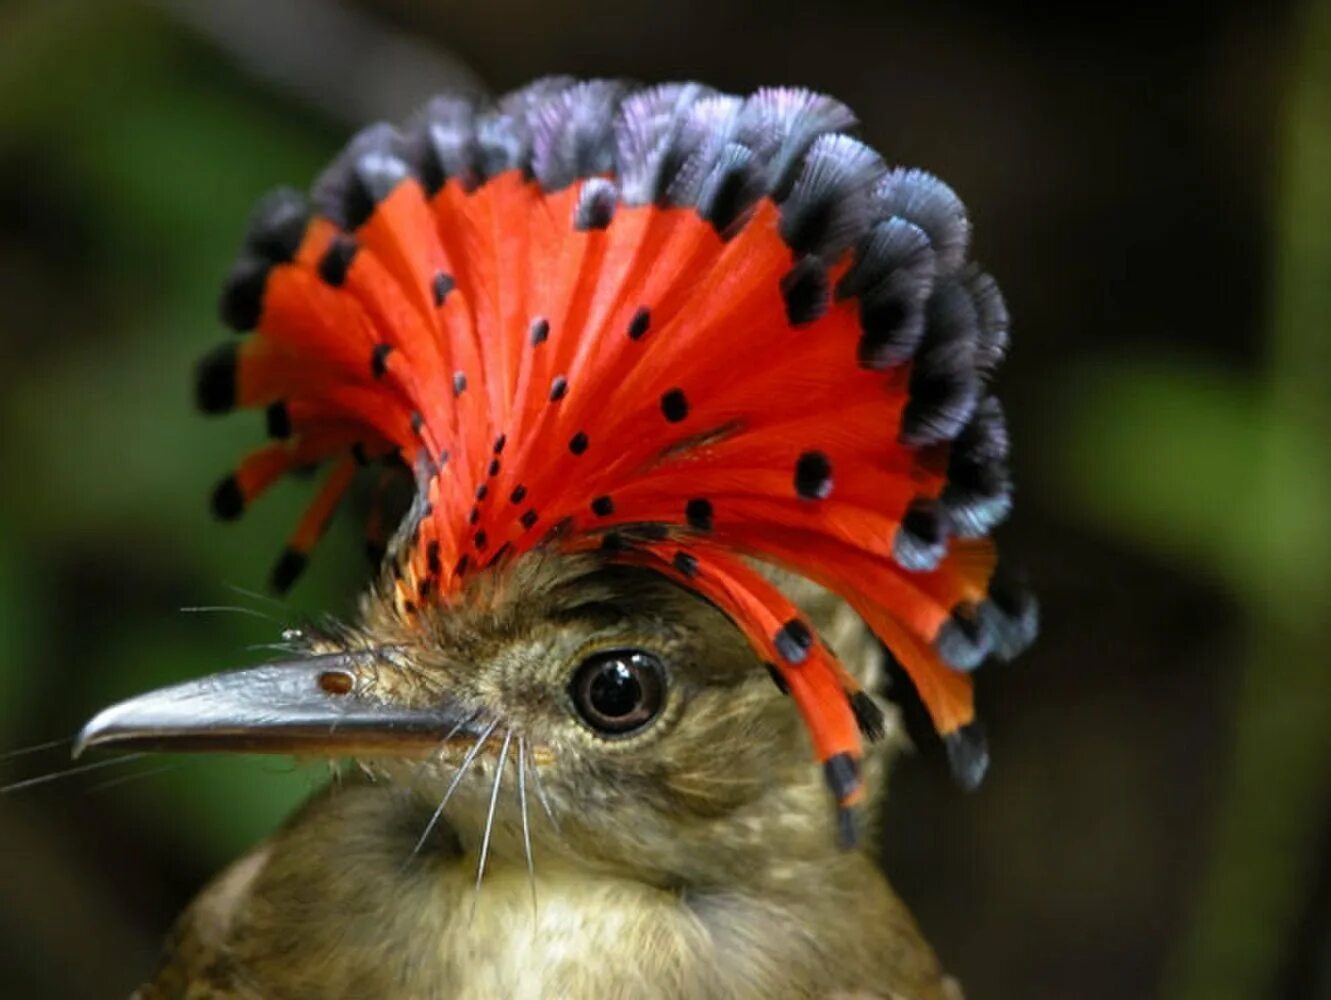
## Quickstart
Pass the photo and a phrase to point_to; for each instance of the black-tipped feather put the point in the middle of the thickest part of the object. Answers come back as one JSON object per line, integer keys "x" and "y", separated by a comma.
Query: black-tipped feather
{"x": 215, "y": 379}
{"x": 921, "y": 539}
{"x": 572, "y": 133}
{"x": 278, "y": 225}
{"x": 596, "y": 204}
{"x": 921, "y": 198}
{"x": 968, "y": 755}
{"x": 829, "y": 207}
{"x": 945, "y": 385}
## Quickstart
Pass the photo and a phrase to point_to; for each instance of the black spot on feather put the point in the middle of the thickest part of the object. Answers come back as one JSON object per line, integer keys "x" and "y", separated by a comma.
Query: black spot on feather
{"x": 698, "y": 513}
{"x": 227, "y": 501}
{"x": 558, "y": 388}
{"x": 241, "y": 302}
{"x": 379, "y": 360}
{"x": 278, "y": 420}
{"x": 640, "y": 323}
{"x": 215, "y": 379}
{"x": 578, "y": 443}
{"x": 805, "y": 291}
{"x": 793, "y": 641}
{"x": 603, "y": 506}
{"x": 336, "y": 261}
{"x": 540, "y": 331}
{"x": 813, "y": 476}
{"x": 674, "y": 405}
{"x": 686, "y": 564}
{"x": 441, "y": 286}
{"x": 459, "y": 383}
{"x": 287, "y": 570}
{"x": 518, "y": 495}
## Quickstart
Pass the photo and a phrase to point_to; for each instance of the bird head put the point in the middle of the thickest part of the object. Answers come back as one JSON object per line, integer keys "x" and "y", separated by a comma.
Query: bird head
{"x": 598, "y": 713}
{"x": 644, "y": 359}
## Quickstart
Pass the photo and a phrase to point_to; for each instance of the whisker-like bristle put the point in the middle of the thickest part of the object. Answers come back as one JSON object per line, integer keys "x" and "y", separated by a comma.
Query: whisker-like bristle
{"x": 541, "y": 796}
{"x": 95, "y": 765}
{"x": 526, "y": 825}
{"x": 452, "y": 787}
{"x": 125, "y": 779}
{"x": 255, "y": 595}
{"x": 490, "y": 818}
{"x": 438, "y": 753}
{"x": 230, "y": 609}
{"x": 35, "y": 748}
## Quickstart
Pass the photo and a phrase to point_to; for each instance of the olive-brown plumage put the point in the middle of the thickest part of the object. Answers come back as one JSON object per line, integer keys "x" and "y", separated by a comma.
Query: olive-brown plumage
{"x": 695, "y": 857}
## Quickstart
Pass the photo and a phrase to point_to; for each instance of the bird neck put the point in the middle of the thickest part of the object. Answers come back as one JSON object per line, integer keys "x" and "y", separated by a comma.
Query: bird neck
{"x": 340, "y": 882}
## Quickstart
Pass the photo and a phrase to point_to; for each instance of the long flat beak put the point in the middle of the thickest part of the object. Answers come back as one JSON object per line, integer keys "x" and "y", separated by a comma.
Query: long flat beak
{"x": 322, "y": 706}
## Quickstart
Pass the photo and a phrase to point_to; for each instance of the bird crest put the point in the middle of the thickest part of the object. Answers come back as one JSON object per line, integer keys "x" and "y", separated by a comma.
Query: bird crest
{"x": 665, "y": 327}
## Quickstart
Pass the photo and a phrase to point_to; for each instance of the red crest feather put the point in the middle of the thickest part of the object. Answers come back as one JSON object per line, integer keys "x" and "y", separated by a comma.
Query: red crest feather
{"x": 678, "y": 327}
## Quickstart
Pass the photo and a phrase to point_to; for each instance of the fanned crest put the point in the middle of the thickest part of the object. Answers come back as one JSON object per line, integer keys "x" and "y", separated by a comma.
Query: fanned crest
{"x": 683, "y": 329}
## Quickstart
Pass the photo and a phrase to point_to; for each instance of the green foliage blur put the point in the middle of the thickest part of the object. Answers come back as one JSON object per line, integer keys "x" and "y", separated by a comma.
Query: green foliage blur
{"x": 1154, "y": 192}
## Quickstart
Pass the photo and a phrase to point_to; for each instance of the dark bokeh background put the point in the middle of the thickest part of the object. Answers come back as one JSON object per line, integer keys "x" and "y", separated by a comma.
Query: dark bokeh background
{"x": 1152, "y": 188}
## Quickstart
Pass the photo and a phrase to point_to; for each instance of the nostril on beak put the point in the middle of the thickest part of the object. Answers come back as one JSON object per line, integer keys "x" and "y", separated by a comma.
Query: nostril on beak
{"x": 336, "y": 682}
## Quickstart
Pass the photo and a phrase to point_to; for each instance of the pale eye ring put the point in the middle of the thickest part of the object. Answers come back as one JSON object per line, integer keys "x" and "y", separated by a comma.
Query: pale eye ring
{"x": 619, "y": 691}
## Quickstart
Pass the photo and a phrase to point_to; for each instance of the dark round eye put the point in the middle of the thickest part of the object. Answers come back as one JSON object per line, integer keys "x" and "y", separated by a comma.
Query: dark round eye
{"x": 619, "y": 691}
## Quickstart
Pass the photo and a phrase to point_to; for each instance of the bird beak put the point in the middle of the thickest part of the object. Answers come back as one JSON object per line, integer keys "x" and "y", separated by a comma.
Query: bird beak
{"x": 331, "y": 706}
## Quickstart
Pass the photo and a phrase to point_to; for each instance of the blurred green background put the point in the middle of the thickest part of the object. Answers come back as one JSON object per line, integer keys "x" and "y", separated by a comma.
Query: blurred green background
{"x": 1151, "y": 186}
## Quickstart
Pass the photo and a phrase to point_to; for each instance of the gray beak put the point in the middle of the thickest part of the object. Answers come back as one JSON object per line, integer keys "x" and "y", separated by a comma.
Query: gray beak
{"x": 321, "y": 706}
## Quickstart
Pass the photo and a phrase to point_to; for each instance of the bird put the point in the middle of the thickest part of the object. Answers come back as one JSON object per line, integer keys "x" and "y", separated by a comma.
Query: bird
{"x": 671, "y": 411}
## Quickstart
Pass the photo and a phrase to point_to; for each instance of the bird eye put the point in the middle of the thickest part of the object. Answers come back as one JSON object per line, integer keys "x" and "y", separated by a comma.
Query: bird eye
{"x": 619, "y": 691}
